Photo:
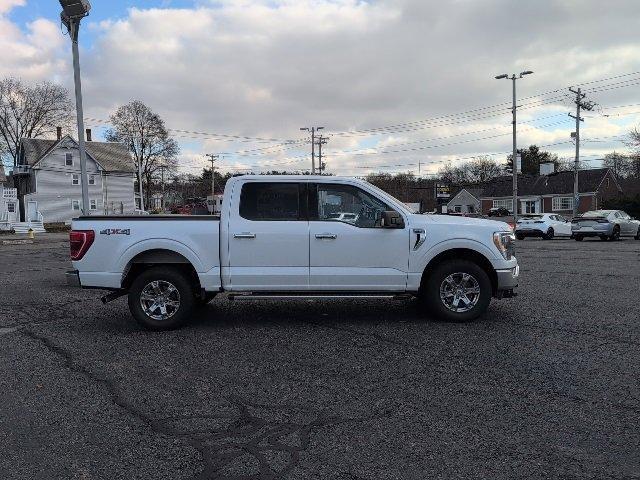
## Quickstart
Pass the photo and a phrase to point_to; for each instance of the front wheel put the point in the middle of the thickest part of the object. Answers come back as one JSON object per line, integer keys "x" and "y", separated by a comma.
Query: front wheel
{"x": 161, "y": 298}
{"x": 578, "y": 238}
{"x": 457, "y": 291}
{"x": 519, "y": 236}
{"x": 549, "y": 235}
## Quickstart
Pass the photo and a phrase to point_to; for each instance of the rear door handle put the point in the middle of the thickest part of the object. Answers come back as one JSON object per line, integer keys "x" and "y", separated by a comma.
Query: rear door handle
{"x": 326, "y": 236}
{"x": 244, "y": 235}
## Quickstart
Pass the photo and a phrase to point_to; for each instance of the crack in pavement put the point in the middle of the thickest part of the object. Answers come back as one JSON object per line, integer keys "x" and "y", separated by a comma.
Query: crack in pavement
{"x": 240, "y": 445}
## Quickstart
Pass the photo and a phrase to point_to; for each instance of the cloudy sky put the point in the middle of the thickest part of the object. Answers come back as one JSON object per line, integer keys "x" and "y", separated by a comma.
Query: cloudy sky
{"x": 395, "y": 83}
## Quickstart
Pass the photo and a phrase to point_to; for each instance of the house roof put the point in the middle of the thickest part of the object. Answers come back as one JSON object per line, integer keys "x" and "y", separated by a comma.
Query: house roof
{"x": 3, "y": 177}
{"x": 473, "y": 191}
{"x": 554, "y": 184}
{"x": 112, "y": 157}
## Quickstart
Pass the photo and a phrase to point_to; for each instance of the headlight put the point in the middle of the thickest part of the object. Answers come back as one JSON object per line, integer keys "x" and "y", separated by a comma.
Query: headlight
{"x": 506, "y": 243}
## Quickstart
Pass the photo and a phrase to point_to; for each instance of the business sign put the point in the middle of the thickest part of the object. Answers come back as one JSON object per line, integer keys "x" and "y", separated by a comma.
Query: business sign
{"x": 443, "y": 191}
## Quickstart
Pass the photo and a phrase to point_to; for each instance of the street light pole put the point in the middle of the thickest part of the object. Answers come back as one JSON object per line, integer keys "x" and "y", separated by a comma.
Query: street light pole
{"x": 72, "y": 12}
{"x": 514, "y": 153}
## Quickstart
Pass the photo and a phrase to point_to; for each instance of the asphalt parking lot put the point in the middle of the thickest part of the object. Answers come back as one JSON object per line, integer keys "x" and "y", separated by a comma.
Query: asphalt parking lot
{"x": 545, "y": 385}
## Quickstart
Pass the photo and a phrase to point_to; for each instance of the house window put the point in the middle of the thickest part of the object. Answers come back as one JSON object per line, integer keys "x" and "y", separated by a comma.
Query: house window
{"x": 75, "y": 179}
{"x": 471, "y": 208}
{"x": 68, "y": 159}
{"x": 457, "y": 208}
{"x": 561, "y": 203}
{"x": 75, "y": 205}
{"x": 92, "y": 179}
{"x": 93, "y": 204}
{"x": 508, "y": 204}
{"x": 11, "y": 207}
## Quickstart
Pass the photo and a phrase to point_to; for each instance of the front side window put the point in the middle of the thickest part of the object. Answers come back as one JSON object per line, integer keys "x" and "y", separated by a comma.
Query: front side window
{"x": 270, "y": 201}
{"x": 75, "y": 179}
{"x": 349, "y": 204}
{"x": 68, "y": 160}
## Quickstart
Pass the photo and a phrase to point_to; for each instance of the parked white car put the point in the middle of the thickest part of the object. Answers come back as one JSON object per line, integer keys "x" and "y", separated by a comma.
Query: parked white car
{"x": 545, "y": 225}
{"x": 278, "y": 237}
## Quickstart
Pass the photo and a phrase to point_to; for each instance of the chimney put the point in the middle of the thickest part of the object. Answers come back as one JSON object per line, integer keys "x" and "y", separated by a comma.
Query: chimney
{"x": 88, "y": 134}
{"x": 59, "y": 132}
{"x": 547, "y": 168}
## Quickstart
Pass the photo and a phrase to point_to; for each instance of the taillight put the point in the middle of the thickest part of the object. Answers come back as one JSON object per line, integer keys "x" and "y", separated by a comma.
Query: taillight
{"x": 79, "y": 242}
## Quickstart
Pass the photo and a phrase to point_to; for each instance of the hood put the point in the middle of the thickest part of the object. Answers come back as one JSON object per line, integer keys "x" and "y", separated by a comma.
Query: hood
{"x": 459, "y": 221}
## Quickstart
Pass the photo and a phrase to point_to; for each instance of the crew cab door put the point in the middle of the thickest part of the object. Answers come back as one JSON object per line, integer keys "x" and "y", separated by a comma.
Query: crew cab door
{"x": 268, "y": 237}
{"x": 349, "y": 249}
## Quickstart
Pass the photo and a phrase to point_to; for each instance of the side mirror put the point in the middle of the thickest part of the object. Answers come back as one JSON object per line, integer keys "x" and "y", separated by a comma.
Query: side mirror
{"x": 392, "y": 219}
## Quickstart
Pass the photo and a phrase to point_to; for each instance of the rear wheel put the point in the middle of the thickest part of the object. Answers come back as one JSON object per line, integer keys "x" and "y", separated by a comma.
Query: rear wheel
{"x": 549, "y": 235}
{"x": 578, "y": 238}
{"x": 161, "y": 298}
{"x": 457, "y": 291}
{"x": 615, "y": 235}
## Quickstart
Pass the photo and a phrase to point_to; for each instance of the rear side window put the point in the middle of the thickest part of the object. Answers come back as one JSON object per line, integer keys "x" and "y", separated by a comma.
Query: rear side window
{"x": 270, "y": 201}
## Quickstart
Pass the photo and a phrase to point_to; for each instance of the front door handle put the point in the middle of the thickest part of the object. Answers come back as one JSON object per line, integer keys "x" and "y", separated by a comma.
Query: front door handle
{"x": 326, "y": 236}
{"x": 244, "y": 235}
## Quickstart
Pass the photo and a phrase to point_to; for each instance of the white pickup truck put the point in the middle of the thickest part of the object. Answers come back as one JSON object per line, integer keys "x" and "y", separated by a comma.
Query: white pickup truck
{"x": 295, "y": 237}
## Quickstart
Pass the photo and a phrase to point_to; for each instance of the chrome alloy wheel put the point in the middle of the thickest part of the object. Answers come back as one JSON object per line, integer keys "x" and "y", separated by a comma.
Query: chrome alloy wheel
{"x": 160, "y": 300}
{"x": 460, "y": 292}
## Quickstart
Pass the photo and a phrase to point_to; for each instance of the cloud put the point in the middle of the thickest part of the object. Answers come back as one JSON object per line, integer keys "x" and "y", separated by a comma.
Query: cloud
{"x": 267, "y": 68}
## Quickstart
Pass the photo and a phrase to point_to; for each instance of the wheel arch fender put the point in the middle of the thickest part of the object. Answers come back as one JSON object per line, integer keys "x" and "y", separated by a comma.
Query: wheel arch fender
{"x": 460, "y": 249}
{"x": 158, "y": 251}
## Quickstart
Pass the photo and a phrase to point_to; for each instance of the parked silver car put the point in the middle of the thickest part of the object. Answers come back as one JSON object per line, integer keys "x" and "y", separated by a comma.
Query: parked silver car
{"x": 606, "y": 224}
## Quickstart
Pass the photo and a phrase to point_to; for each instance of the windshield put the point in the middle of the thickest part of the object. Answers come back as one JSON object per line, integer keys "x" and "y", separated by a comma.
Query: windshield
{"x": 596, "y": 213}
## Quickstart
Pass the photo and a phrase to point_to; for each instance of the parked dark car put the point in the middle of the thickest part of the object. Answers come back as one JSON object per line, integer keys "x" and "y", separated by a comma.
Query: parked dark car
{"x": 499, "y": 212}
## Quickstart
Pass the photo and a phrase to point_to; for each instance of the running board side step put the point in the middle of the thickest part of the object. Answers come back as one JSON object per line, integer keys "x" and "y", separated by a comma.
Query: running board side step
{"x": 317, "y": 296}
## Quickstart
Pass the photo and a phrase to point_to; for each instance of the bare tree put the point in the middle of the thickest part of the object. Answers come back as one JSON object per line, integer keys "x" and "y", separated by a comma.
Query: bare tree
{"x": 634, "y": 143}
{"x": 618, "y": 163}
{"x": 147, "y": 138}
{"x": 29, "y": 111}
{"x": 479, "y": 170}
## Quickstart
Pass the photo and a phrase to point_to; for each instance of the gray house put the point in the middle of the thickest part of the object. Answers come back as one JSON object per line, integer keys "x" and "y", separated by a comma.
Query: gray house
{"x": 466, "y": 200}
{"x": 48, "y": 179}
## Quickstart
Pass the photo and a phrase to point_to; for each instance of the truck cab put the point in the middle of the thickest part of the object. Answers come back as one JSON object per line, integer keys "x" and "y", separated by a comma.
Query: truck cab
{"x": 301, "y": 237}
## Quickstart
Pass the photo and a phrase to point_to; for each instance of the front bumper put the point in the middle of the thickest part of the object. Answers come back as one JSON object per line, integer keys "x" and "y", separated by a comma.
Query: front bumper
{"x": 507, "y": 279}
{"x": 73, "y": 278}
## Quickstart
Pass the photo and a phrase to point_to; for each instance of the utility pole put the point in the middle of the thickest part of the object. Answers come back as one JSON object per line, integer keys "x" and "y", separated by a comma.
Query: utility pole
{"x": 140, "y": 185}
{"x": 313, "y": 131}
{"x": 213, "y": 157}
{"x": 321, "y": 141}
{"x": 162, "y": 167}
{"x": 580, "y": 104}
{"x": 514, "y": 154}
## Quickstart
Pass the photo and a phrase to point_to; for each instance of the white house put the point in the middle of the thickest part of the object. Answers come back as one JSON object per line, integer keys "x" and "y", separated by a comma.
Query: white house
{"x": 8, "y": 203}
{"x": 466, "y": 200}
{"x": 48, "y": 179}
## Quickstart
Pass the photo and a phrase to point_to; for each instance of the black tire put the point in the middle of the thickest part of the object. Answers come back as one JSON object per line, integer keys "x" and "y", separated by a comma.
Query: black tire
{"x": 165, "y": 276}
{"x": 430, "y": 294}
{"x": 519, "y": 236}
{"x": 578, "y": 238}
{"x": 637, "y": 237}
{"x": 549, "y": 235}
{"x": 615, "y": 235}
